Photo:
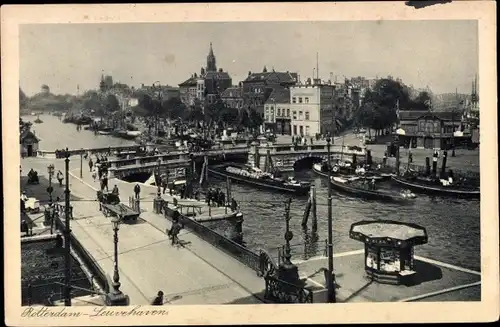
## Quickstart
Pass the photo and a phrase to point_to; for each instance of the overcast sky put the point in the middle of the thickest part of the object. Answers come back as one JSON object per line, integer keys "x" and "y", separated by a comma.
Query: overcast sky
{"x": 440, "y": 54}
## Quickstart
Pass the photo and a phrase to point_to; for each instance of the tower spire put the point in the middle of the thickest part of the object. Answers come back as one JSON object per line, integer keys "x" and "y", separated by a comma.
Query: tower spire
{"x": 211, "y": 62}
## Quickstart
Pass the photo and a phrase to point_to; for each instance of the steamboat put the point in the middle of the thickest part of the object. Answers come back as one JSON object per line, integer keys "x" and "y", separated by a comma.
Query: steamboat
{"x": 462, "y": 187}
{"x": 254, "y": 176}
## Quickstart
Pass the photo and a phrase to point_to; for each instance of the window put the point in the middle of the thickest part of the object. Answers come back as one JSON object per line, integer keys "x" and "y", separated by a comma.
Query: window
{"x": 301, "y": 128}
{"x": 267, "y": 109}
{"x": 307, "y": 130}
{"x": 294, "y": 129}
{"x": 300, "y": 100}
{"x": 267, "y": 118}
{"x": 300, "y": 115}
{"x": 288, "y": 112}
{"x": 272, "y": 110}
{"x": 294, "y": 100}
{"x": 307, "y": 114}
{"x": 295, "y": 115}
{"x": 279, "y": 112}
{"x": 307, "y": 100}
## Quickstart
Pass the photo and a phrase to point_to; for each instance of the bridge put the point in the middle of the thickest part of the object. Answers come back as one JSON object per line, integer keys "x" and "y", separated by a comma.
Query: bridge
{"x": 285, "y": 156}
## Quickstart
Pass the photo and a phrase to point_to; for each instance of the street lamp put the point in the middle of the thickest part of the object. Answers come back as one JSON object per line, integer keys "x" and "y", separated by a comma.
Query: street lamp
{"x": 159, "y": 105}
{"x": 116, "y": 297}
{"x": 158, "y": 192}
{"x": 50, "y": 170}
{"x": 331, "y": 277}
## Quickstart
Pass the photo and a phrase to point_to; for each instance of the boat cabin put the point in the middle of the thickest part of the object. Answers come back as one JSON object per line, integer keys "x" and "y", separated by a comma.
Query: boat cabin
{"x": 29, "y": 144}
{"x": 389, "y": 249}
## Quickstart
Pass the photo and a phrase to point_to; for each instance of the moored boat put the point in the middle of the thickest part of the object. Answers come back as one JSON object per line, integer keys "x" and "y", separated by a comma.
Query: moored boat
{"x": 438, "y": 187}
{"x": 365, "y": 188}
{"x": 256, "y": 177}
{"x": 344, "y": 168}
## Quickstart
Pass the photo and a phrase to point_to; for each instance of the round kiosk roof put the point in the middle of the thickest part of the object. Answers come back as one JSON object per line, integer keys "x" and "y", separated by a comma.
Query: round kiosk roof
{"x": 388, "y": 233}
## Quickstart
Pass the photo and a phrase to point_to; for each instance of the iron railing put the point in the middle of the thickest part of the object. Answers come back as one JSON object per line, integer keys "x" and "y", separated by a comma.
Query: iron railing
{"x": 237, "y": 251}
{"x": 302, "y": 251}
{"x": 48, "y": 293}
{"x": 280, "y": 291}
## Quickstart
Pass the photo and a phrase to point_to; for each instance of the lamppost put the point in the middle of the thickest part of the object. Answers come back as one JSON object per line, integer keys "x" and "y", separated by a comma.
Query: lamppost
{"x": 331, "y": 277}
{"x": 158, "y": 179}
{"x": 157, "y": 111}
{"x": 50, "y": 170}
{"x": 399, "y": 132}
{"x": 49, "y": 215}
{"x": 67, "y": 236}
{"x": 116, "y": 297}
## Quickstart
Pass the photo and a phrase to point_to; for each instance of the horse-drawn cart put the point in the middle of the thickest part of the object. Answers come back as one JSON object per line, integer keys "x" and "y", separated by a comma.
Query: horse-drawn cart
{"x": 109, "y": 204}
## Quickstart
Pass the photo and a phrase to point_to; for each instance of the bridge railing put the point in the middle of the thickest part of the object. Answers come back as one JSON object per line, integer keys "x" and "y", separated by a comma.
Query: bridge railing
{"x": 237, "y": 251}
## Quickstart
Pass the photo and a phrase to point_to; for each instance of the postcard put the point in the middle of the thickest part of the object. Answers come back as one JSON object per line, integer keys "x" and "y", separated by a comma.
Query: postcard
{"x": 250, "y": 163}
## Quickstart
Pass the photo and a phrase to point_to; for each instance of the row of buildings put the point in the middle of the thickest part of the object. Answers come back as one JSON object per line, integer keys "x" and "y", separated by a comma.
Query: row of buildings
{"x": 287, "y": 105}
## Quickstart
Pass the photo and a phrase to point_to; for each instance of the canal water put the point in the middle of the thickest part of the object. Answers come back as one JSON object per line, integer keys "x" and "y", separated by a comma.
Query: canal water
{"x": 452, "y": 224}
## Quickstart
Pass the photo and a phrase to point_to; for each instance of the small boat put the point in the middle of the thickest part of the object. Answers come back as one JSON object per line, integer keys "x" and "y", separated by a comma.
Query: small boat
{"x": 104, "y": 132}
{"x": 38, "y": 120}
{"x": 438, "y": 187}
{"x": 344, "y": 168}
{"x": 361, "y": 187}
{"x": 256, "y": 177}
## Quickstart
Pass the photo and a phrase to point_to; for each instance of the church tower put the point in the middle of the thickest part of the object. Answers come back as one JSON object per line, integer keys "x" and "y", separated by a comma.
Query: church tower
{"x": 211, "y": 65}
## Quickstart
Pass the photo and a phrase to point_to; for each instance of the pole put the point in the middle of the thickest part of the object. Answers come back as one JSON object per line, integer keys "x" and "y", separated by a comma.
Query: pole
{"x": 331, "y": 290}
{"x": 81, "y": 164}
{"x": 67, "y": 239}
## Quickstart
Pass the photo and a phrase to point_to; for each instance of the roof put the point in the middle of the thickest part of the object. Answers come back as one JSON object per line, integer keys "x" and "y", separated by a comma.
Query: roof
{"x": 282, "y": 77}
{"x": 232, "y": 92}
{"x": 28, "y": 134}
{"x": 387, "y": 229}
{"x": 192, "y": 81}
{"x": 279, "y": 95}
{"x": 217, "y": 75}
{"x": 416, "y": 114}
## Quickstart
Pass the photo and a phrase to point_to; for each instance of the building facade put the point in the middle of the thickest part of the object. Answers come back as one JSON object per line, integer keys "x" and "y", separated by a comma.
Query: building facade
{"x": 312, "y": 109}
{"x": 431, "y": 130}
{"x": 233, "y": 97}
{"x": 206, "y": 87}
{"x": 277, "y": 114}
{"x": 257, "y": 87}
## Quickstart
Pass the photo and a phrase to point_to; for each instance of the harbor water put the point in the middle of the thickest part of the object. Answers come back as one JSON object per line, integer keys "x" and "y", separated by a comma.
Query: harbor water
{"x": 452, "y": 224}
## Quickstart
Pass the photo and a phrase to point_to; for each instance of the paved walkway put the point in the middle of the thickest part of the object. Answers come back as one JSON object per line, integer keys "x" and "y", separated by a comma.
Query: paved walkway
{"x": 194, "y": 273}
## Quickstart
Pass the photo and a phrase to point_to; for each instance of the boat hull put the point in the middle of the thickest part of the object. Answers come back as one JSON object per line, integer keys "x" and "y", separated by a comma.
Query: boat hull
{"x": 260, "y": 184}
{"x": 436, "y": 190}
{"x": 366, "y": 194}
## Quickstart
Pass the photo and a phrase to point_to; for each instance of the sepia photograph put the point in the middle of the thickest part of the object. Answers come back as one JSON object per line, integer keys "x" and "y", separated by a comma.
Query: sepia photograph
{"x": 249, "y": 163}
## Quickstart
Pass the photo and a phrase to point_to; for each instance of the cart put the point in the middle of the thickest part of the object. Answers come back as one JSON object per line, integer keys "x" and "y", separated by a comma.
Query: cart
{"x": 111, "y": 207}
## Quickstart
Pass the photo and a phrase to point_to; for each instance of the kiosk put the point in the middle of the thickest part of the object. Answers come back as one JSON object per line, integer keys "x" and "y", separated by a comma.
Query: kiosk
{"x": 389, "y": 249}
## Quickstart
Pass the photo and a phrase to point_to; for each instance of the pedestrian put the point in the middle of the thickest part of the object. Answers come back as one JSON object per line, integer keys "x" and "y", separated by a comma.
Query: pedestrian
{"x": 158, "y": 300}
{"x": 60, "y": 178}
{"x": 137, "y": 191}
{"x": 115, "y": 190}
{"x": 410, "y": 157}
{"x": 105, "y": 182}
{"x": 94, "y": 173}
{"x": 91, "y": 164}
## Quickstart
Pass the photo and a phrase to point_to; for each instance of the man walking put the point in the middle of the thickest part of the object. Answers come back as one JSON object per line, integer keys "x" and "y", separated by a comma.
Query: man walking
{"x": 137, "y": 191}
{"x": 60, "y": 178}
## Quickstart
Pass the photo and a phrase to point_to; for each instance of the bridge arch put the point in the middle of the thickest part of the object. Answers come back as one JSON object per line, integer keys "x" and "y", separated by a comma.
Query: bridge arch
{"x": 307, "y": 161}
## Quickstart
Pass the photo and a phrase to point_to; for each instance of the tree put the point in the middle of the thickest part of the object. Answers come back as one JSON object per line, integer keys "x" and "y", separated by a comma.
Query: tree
{"x": 111, "y": 103}
{"x": 422, "y": 101}
{"x": 174, "y": 108}
{"x": 22, "y": 99}
{"x": 256, "y": 119}
{"x": 378, "y": 109}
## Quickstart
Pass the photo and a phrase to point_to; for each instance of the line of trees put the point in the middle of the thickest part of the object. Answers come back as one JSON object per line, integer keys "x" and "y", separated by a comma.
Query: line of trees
{"x": 378, "y": 109}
